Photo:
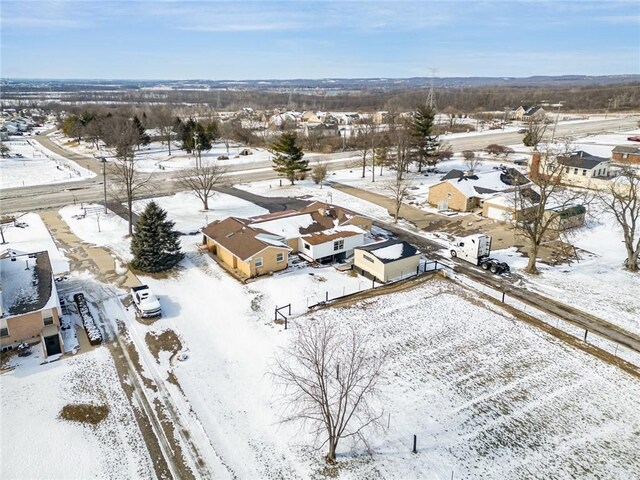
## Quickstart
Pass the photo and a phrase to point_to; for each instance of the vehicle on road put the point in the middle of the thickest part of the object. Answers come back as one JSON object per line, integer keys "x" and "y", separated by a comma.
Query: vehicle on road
{"x": 634, "y": 138}
{"x": 476, "y": 249}
{"x": 146, "y": 302}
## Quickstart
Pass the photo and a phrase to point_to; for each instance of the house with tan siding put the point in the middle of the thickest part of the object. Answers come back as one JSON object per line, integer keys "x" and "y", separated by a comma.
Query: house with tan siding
{"x": 466, "y": 191}
{"x": 247, "y": 252}
{"x": 29, "y": 305}
{"x": 386, "y": 261}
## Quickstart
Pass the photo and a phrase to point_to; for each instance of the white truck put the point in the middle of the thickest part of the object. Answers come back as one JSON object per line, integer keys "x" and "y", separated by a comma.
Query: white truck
{"x": 476, "y": 249}
{"x": 146, "y": 302}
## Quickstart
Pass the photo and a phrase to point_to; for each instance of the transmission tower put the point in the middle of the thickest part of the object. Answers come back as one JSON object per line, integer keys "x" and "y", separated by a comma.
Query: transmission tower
{"x": 431, "y": 98}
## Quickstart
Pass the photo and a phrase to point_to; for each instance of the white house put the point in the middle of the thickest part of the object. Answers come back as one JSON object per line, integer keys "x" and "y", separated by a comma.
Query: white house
{"x": 584, "y": 169}
{"x": 331, "y": 245}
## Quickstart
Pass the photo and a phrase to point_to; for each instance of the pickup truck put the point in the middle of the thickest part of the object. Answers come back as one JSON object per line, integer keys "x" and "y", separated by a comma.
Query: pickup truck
{"x": 146, "y": 302}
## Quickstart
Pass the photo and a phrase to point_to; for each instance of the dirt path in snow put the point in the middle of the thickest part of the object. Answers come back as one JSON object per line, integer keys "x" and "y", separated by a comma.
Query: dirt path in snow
{"x": 167, "y": 437}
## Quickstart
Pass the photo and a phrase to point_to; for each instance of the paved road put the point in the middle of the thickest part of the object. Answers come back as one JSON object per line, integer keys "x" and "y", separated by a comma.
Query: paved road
{"x": 56, "y": 195}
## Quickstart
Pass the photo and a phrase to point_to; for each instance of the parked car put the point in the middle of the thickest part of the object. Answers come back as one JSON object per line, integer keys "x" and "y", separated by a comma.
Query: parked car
{"x": 146, "y": 302}
{"x": 634, "y": 138}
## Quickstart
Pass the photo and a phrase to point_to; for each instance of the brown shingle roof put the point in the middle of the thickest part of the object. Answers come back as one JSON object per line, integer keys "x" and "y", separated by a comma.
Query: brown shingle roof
{"x": 237, "y": 237}
{"x": 318, "y": 238}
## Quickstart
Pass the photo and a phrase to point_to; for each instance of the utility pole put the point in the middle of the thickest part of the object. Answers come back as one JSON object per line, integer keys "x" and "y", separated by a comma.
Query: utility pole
{"x": 104, "y": 183}
{"x": 431, "y": 98}
{"x": 553, "y": 134}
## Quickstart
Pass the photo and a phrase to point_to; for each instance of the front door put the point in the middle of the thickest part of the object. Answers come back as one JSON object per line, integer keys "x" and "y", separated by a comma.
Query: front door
{"x": 52, "y": 344}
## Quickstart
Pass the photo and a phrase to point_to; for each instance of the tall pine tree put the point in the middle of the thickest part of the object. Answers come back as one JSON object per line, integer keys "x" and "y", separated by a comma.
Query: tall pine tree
{"x": 423, "y": 140}
{"x": 155, "y": 245}
{"x": 287, "y": 157}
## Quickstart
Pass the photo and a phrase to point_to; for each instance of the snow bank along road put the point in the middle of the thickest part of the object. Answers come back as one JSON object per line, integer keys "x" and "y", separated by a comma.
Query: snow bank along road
{"x": 33, "y": 198}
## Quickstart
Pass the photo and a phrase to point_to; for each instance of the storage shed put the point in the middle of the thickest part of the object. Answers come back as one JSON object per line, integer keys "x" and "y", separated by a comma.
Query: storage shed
{"x": 386, "y": 261}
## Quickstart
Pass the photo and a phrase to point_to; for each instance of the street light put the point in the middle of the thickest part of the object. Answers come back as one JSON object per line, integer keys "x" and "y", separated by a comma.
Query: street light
{"x": 104, "y": 181}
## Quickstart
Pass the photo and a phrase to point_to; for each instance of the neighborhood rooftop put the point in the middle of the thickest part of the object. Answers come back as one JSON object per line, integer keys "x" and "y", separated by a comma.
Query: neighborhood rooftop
{"x": 27, "y": 283}
{"x": 390, "y": 250}
{"x": 582, "y": 159}
{"x": 486, "y": 182}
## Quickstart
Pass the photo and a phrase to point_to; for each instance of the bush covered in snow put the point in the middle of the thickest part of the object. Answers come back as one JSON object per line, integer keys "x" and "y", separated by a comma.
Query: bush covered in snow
{"x": 93, "y": 332}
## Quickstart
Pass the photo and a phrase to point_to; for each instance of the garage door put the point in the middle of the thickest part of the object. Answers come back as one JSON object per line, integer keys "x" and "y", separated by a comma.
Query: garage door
{"x": 498, "y": 214}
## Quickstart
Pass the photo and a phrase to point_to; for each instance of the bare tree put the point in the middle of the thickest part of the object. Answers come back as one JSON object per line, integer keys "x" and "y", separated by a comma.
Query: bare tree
{"x": 329, "y": 378}
{"x": 533, "y": 220}
{"x": 364, "y": 132}
{"x": 124, "y": 136}
{"x": 319, "y": 173}
{"x": 163, "y": 119}
{"x": 201, "y": 179}
{"x": 471, "y": 161}
{"x": 622, "y": 199}
{"x": 398, "y": 186}
{"x": 536, "y": 127}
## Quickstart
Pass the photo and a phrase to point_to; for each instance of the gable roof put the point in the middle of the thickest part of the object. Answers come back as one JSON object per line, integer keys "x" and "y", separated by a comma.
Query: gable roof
{"x": 239, "y": 238}
{"x": 485, "y": 182}
{"x": 627, "y": 149}
{"x": 390, "y": 250}
{"x": 582, "y": 159}
{"x": 314, "y": 218}
{"x": 528, "y": 111}
{"x": 27, "y": 283}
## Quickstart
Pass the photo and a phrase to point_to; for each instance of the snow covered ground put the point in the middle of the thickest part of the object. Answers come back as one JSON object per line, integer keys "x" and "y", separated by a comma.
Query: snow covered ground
{"x": 487, "y": 395}
{"x": 37, "y": 443}
{"x": 37, "y": 166}
{"x": 596, "y": 283}
{"x": 35, "y": 237}
{"x": 185, "y": 209}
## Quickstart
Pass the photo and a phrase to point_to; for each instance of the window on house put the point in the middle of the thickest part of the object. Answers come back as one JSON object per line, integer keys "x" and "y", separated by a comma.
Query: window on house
{"x": 368, "y": 258}
{"x": 279, "y": 257}
{"x": 4, "y": 332}
{"x": 575, "y": 171}
{"x": 307, "y": 246}
{"x": 584, "y": 173}
{"x": 338, "y": 245}
{"x": 449, "y": 196}
{"x": 259, "y": 262}
{"x": 48, "y": 320}
{"x": 567, "y": 170}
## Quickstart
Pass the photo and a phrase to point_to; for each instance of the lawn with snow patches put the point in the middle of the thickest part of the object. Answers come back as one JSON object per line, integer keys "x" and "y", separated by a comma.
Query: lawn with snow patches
{"x": 97, "y": 228}
{"x": 596, "y": 283}
{"x": 185, "y": 209}
{"x": 37, "y": 443}
{"x": 489, "y": 396}
{"x": 37, "y": 166}
{"x": 35, "y": 237}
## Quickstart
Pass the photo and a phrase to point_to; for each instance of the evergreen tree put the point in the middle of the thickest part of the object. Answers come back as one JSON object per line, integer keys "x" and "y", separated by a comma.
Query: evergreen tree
{"x": 287, "y": 157}
{"x": 143, "y": 138}
{"x": 155, "y": 245}
{"x": 424, "y": 142}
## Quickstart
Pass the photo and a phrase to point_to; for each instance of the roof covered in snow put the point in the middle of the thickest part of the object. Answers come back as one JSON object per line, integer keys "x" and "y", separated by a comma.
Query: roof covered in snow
{"x": 485, "y": 182}
{"x": 582, "y": 159}
{"x": 27, "y": 283}
{"x": 390, "y": 250}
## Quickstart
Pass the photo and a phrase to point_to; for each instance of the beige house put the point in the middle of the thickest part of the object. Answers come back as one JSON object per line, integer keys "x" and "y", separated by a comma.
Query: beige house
{"x": 387, "y": 261}
{"x": 585, "y": 170}
{"x": 30, "y": 310}
{"x": 464, "y": 191}
{"x": 527, "y": 112}
{"x": 248, "y": 252}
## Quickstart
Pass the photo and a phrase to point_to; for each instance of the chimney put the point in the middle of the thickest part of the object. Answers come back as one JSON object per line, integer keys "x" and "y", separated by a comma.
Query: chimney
{"x": 534, "y": 166}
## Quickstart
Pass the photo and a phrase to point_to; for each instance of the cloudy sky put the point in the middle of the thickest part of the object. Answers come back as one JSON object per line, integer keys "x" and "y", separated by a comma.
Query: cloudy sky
{"x": 313, "y": 39}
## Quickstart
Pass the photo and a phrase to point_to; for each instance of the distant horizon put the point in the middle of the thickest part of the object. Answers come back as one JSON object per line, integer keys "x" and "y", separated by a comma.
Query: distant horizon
{"x": 497, "y": 77}
{"x": 183, "y": 40}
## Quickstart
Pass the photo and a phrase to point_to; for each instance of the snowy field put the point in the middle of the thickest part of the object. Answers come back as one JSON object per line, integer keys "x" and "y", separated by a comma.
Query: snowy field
{"x": 37, "y": 166}
{"x": 37, "y": 443}
{"x": 481, "y": 408}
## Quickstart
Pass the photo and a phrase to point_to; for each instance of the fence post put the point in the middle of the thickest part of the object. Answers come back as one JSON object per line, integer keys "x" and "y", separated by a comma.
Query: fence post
{"x": 326, "y": 296}
{"x": 285, "y": 323}
{"x": 436, "y": 266}
{"x": 418, "y": 270}
{"x": 275, "y": 313}
{"x": 503, "y": 297}
{"x": 585, "y": 334}
{"x": 289, "y": 309}
{"x": 373, "y": 283}
{"x": 415, "y": 444}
